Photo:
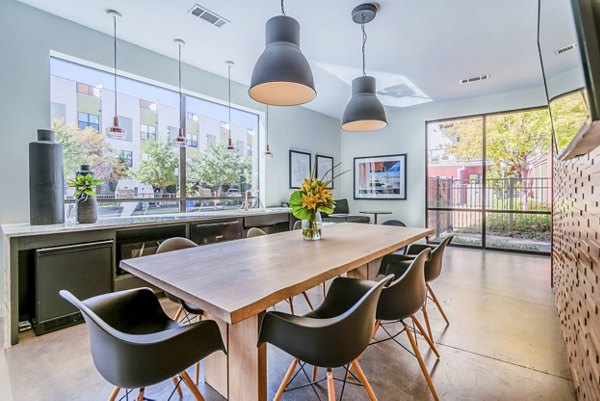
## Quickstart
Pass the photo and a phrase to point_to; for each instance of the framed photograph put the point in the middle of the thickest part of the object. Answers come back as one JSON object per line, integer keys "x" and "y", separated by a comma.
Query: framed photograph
{"x": 300, "y": 165}
{"x": 325, "y": 169}
{"x": 380, "y": 177}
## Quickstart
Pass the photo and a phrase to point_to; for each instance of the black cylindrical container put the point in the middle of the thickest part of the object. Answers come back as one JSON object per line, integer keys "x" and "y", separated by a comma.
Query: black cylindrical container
{"x": 46, "y": 180}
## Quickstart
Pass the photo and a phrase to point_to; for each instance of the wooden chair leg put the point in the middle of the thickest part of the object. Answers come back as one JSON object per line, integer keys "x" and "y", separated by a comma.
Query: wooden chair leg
{"x": 315, "y": 372}
{"x": 114, "y": 393}
{"x": 363, "y": 380}
{"x": 376, "y": 327}
{"x": 197, "y": 373}
{"x": 330, "y": 386}
{"x": 140, "y": 396}
{"x": 291, "y": 302}
{"x": 179, "y": 312}
{"x": 307, "y": 300}
{"x": 421, "y": 363}
{"x": 439, "y": 305}
{"x": 426, "y": 316}
{"x": 286, "y": 379}
{"x": 177, "y": 386}
{"x": 190, "y": 384}
{"x": 425, "y": 336}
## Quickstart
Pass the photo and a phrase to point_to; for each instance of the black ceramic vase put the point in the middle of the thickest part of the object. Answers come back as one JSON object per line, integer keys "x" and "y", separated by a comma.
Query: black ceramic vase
{"x": 46, "y": 180}
{"x": 87, "y": 207}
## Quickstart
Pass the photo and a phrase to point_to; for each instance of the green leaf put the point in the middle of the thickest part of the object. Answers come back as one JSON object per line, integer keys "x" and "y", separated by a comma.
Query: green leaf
{"x": 301, "y": 213}
{"x": 326, "y": 210}
{"x": 296, "y": 198}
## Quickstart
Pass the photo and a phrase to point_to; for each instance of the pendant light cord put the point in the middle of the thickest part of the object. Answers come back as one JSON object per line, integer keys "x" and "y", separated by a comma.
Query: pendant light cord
{"x": 364, "y": 42}
{"x": 267, "y": 125}
{"x": 229, "y": 98}
{"x": 115, "y": 59}
{"x": 282, "y": 8}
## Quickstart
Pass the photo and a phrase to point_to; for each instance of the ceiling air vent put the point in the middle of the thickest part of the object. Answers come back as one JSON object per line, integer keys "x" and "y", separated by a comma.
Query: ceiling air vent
{"x": 565, "y": 49}
{"x": 476, "y": 78}
{"x": 208, "y": 16}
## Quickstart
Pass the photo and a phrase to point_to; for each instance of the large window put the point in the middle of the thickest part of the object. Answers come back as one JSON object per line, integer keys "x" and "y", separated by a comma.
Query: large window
{"x": 489, "y": 180}
{"x": 141, "y": 174}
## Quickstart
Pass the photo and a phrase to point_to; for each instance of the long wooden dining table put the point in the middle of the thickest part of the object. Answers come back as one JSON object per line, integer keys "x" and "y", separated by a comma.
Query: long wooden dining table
{"x": 236, "y": 282}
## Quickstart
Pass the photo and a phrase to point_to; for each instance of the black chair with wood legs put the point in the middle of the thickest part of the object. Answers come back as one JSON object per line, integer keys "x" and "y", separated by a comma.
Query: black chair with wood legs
{"x": 331, "y": 336}
{"x": 135, "y": 344}
{"x": 188, "y": 309}
{"x": 257, "y": 232}
{"x": 403, "y": 298}
{"x": 433, "y": 269}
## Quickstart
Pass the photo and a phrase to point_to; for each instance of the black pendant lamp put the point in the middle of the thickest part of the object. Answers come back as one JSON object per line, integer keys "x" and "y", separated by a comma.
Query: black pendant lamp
{"x": 282, "y": 75}
{"x": 268, "y": 153}
{"x": 180, "y": 140}
{"x": 115, "y": 130}
{"x": 230, "y": 148}
{"x": 364, "y": 111}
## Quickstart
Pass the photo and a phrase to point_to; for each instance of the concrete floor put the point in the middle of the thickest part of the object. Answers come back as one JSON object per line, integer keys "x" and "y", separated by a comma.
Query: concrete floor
{"x": 504, "y": 343}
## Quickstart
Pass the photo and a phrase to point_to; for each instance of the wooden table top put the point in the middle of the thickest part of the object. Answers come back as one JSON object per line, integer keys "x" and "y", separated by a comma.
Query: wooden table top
{"x": 239, "y": 279}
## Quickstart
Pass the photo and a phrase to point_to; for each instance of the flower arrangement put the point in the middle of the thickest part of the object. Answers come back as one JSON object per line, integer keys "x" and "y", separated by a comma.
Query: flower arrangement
{"x": 308, "y": 201}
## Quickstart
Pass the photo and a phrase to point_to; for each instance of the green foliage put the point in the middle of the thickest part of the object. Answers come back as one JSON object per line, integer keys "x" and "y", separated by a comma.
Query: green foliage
{"x": 534, "y": 226}
{"x": 85, "y": 185}
{"x": 159, "y": 169}
{"x": 298, "y": 210}
{"x": 88, "y": 147}
{"x": 217, "y": 167}
{"x": 569, "y": 113}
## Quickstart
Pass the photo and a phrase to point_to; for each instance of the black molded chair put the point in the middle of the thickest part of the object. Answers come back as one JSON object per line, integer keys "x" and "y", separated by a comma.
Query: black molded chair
{"x": 135, "y": 344}
{"x": 396, "y": 223}
{"x": 257, "y": 232}
{"x": 404, "y": 297}
{"x": 187, "y": 308}
{"x": 433, "y": 269}
{"x": 331, "y": 336}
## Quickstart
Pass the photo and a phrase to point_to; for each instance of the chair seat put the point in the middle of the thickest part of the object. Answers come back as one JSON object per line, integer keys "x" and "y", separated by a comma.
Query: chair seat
{"x": 192, "y": 308}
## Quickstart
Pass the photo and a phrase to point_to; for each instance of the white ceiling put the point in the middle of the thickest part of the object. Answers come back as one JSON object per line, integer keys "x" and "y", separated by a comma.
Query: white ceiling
{"x": 426, "y": 45}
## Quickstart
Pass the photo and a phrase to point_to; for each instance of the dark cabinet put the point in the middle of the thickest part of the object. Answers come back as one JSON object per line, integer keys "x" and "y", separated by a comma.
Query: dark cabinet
{"x": 218, "y": 231}
{"x": 84, "y": 269}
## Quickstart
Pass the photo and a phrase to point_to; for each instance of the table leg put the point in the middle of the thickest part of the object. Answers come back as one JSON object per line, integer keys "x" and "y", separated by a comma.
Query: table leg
{"x": 242, "y": 374}
{"x": 366, "y": 272}
{"x": 375, "y": 214}
{"x": 216, "y": 373}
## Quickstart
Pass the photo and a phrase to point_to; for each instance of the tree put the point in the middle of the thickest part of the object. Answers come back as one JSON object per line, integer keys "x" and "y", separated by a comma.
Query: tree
{"x": 86, "y": 146}
{"x": 216, "y": 168}
{"x": 569, "y": 113}
{"x": 159, "y": 169}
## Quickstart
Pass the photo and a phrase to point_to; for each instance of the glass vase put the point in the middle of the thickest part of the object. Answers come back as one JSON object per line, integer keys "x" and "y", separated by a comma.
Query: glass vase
{"x": 311, "y": 228}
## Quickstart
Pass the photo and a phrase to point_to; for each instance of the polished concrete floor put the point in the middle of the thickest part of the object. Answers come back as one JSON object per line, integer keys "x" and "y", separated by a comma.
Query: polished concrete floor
{"x": 503, "y": 343}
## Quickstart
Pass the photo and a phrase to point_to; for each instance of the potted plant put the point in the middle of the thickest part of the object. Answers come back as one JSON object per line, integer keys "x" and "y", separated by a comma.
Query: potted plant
{"x": 85, "y": 192}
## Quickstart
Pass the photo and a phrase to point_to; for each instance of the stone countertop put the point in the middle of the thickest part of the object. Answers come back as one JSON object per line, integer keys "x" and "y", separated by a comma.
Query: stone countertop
{"x": 26, "y": 229}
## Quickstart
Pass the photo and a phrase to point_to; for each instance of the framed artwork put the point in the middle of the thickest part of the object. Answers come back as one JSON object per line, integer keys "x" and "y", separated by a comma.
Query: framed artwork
{"x": 299, "y": 168}
{"x": 325, "y": 169}
{"x": 380, "y": 177}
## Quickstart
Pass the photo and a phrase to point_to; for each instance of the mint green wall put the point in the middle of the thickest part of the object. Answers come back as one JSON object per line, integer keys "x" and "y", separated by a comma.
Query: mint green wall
{"x": 27, "y": 36}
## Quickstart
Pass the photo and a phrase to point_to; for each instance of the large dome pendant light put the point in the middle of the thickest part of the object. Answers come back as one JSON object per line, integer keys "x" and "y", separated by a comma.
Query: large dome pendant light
{"x": 180, "y": 140}
{"x": 364, "y": 111}
{"x": 282, "y": 75}
{"x": 268, "y": 153}
{"x": 115, "y": 130}
{"x": 230, "y": 148}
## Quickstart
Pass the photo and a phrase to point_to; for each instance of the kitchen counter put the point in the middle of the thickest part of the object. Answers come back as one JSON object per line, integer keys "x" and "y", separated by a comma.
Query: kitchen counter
{"x": 26, "y": 229}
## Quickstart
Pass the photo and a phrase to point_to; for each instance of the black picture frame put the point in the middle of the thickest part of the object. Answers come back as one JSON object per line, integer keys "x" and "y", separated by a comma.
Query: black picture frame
{"x": 326, "y": 163}
{"x": 393, "y": 175}
{"x": 299, "y": 168}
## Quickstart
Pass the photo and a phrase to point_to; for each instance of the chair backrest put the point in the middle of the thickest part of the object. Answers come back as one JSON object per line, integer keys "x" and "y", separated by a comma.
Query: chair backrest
{"x": 407, "y": 293}
{"x": 113, "y": 320}
{"x": 341, "y": 206}
{"x": 255, "y": 232}
{"x": 433, "y": 267}
{"x": 174, "y": 244}
{"x": 337, "y": 337}
{"x": 393, "y": 223}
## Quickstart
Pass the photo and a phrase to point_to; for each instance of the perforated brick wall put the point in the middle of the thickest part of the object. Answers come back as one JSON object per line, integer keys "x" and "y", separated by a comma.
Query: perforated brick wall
{"x": 576, "y": 267}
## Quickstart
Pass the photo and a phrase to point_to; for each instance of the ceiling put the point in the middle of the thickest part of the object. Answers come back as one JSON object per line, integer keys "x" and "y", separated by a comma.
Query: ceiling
{"x": 418, "y": 51}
